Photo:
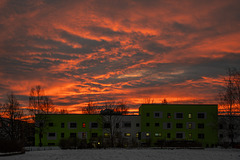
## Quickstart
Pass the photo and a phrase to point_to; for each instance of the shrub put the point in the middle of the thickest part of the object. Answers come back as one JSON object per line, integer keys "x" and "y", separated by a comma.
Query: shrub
{"x": 11, "y": 146}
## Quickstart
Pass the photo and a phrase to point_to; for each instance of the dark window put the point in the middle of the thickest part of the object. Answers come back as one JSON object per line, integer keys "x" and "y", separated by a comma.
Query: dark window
{"x": 127, "y": 125}
{"x": 83, "y": 125}
{"x": 148, "y": 114}
{"x": 179, "y": 135}
{"x": 41, "y": 124}
{"x": 201, "y": 115}
{"x": 168, "y": 125}
{"x": 169, "y": 135}
{"x": 221, "y": 135}
{"x": 40, "y": 135}
{"x": 83, "y": 135}
{"x": 50, "y": 124}
{"x": 231, "y": 126}
{"x": 147, "y": 124}
{"x": 73, "y": 135}
{"x": 137, "y": 124}
{"x": 73, "y": 125}
{"x": 62, "y": 135}
{"x": 51, "y": 134}
{"x": 179, "y": 125}
{"x": 156, "y": 124}
{"x": 220, "y": 126}
{"x": 179, "y": 115}
{"x": 200, "y": 125}
{"x": 94, "y": 125}
{"x": 168, "y": 115}
{"x": 94, "y": 135}
{"x": 231, "y": 136}
{"x": 62, "y": 125}
{"x": 157, "y": 115}
{"x": 201, "y": 136}
{"x": 106, "y": 125}
{"x": 117, "y": 125}
{"x": 51, "y": 144}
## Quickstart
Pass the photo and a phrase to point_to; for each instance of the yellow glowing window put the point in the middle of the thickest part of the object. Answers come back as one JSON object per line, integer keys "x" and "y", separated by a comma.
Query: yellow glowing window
{"x": 106, "y": 135}
{"x": 147, "y": 134}
{"x": 190, "y": 115}
{"x": 189, "y": 125}
{"x": 83, "y": 125}
{"x": 158, "y": 134}
{"x": 127, "y": 134}
{"x": 137, "y": 135}
{"x": 190, "y": 135}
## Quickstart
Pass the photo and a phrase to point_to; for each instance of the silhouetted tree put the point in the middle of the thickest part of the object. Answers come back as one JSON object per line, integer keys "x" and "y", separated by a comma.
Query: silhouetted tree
{"x": 230, "y": 102}
{"x": 148, "y": 101}
{"x": 164, "y": 101}
{"x": 10, "y": 119}
{"x": 90, "y": 108}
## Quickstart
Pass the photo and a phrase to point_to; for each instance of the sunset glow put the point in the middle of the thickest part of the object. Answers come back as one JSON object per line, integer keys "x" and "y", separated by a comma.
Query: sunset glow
{"x": 127, "y": 50}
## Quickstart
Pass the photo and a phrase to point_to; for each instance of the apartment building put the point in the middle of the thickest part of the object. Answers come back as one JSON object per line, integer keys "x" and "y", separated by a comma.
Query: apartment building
{"x": 155, "y": 123}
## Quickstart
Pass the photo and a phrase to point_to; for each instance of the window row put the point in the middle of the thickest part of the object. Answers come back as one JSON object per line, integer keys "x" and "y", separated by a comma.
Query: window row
{"x": 168, "y": 125}
{"x": 178, "y": 115}
{"x": 178, "y": 135}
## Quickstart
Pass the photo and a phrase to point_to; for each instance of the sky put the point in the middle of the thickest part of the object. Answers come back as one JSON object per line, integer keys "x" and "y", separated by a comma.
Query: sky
{"x": 120, "y": 50}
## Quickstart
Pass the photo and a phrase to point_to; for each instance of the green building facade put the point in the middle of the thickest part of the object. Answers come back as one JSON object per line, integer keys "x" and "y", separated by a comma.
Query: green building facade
{"x": 155, "y": 123}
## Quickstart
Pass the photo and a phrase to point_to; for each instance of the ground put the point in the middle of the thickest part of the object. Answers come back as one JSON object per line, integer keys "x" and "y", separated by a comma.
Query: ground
{"x": 133, "y": 154}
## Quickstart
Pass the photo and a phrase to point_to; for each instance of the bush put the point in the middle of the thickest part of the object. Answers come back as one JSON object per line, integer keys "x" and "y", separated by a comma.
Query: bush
{"x": 11, "y": 146}
{"x": 73, "y": 143}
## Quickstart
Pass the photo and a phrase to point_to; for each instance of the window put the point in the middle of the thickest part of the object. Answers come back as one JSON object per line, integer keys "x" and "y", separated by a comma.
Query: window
{"x": 147, "y": 134}
{"x": 157, "y": 125}
{"x": 83, "y": 135}
{"x": 147, "y": 114}
{"x": 62, "y": 135}
{"x": 137, "y": 135}
{"x": 106, "y": 135}
{"x": 127, "y": 134}
{"x": 201, "y": 115}
{"x": 220, "y": 135}
{"x": 41, "y": 124}
{"x": 50, "y": 124}
{"x": 127, "y": 124}
{"x": 190, "y": 115}
{"x": 168, "y": 115}
{"x": 158, "y": 134}
{"x": 179, "y": 135}
{"x": 220, "y": 126}
{"x": 94, "y": 125}
{"x": 137, "y": 125}
{"x": 189, "y": 125}
{"x": 168, "y": 125}
{"x": 51, "y": 144}
{"x": 201, "y": 136}
{"x": 169, "y": 135}
{"x": 62, "y": 125}
{"x": 73, "y": 125}
{"x": 51, "y": 134}
{"x": 179, "y": 115}
{"x": 147, "y": 124}
{"x": 107, "y": 125}
{"x": 200, "y": 125}
{"x": 117, "y": 125}
{"x": 179, "y": 125}
{"x": 231, "y": 136}
{"x": 0, "y": 124}
{"x": 83, "y": 125}
{"x": 190, "y": 135}
{"x": 94, "y": 135}
{"x": 157, "y": 114}
{"x": 73, "y": 135}
{"x": 231, "y": 126}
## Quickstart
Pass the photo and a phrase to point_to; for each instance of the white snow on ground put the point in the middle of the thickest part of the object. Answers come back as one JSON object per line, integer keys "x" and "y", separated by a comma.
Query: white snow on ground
{"x": 129, "y": 154}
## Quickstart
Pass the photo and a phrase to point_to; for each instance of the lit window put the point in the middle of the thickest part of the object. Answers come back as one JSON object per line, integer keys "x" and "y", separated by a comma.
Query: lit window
{"x": 189, "y": 135}
{"x": 83, "y": 125}
{"x": 127, "y": 134}
{"x": 83, "y": 135}
{"x": 147, "y": 134}
{"x": 158, "y": 134}
{"x": 137, "y": 135}
{"x": 189, "y": 125}
{"x": 106, "y": 135}
{"x": 169, "y": 115}
{"x": 189, "y": 115}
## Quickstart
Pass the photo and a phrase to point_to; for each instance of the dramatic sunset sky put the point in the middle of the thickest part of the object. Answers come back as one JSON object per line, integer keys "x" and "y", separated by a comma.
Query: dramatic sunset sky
{"x": 118, "y": 49}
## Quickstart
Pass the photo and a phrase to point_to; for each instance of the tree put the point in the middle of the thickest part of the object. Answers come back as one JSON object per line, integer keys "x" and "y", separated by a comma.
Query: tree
{"x": 11, "y": 119}
{"x": 40, "y": 105}
{"x": 90, "y": 108}
{"x": 164, "y": 101}
{"x": 230, "y": 103}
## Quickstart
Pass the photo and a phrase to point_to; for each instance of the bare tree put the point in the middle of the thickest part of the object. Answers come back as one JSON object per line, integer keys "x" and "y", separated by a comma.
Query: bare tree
{"x": 10, "y": 119}
{"x": 40, "y": 105}
{"x": 164, "y": 101}
{"x": 91, "y": 108}
{"x": 148, "y": 101}
{"x": 230, "y": 102}
{"x": 121, "y": 108}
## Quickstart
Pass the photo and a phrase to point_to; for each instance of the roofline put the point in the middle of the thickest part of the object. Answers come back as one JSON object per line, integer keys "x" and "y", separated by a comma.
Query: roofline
{"x": 179, "y": 104}
{"x": 86, "y": 114}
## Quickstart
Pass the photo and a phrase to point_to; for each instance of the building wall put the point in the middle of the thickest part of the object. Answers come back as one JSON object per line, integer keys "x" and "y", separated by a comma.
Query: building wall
{"x": 159, "y": 122}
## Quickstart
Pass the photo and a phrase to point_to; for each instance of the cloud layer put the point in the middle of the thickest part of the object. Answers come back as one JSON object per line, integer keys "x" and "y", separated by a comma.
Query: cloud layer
{"x": 128, "y": 49}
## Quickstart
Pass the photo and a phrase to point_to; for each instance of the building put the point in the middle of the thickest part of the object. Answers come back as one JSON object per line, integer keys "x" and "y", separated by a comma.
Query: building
{"x": 192, "y": 123}
{"x": 155, "y": 124}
